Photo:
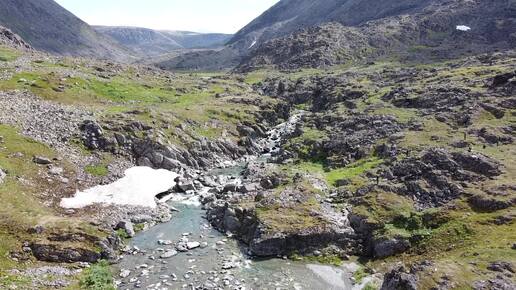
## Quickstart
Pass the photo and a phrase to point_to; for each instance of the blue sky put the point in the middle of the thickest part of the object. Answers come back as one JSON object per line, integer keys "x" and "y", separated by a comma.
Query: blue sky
{"x": 226, "y": 16}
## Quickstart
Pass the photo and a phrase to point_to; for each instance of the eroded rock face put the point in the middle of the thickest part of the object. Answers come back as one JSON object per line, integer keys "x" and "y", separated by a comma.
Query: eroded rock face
{"x": 93, "y": 136}
{"x": 486, "y": 203}
{"x": 58, "y": 254}
{"x": 266, "y": 242}
{"x": 9, "y": 38}
{"x": 70, "y": 248}
{"x": 289, "y": 226}
{"x": 433, "y": 179}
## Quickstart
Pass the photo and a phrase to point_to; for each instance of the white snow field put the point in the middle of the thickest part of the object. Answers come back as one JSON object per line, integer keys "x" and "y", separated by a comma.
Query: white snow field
{"x": 463, "y": 28}
{"x": 138, "y": 187}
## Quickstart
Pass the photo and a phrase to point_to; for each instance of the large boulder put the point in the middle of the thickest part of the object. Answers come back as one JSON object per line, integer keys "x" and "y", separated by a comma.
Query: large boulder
{"x": 390, "y": 247}
{"x": 93, "y": 136}
{"x": 399, "y": 279}
{"x": 478, "y": 163}
{"x": 57, "y": 254}
{"x": 127, "y": 227}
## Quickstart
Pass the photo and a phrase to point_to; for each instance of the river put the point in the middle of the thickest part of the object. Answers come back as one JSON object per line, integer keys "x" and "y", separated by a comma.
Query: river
{"x": 217, "y": 261}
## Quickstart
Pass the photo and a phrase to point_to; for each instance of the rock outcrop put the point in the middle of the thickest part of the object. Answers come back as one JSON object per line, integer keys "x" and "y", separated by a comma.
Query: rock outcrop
{"x": 8, "y": 38}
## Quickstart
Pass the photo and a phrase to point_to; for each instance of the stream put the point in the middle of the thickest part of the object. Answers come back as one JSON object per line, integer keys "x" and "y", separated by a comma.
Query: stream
{"x": 212, "y": 260}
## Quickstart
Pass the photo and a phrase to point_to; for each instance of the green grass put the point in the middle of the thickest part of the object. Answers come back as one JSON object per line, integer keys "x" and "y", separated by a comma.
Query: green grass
{"x": 353, "y": 170}
{"x": 333, "y": 260}
{"x": 139, "y": 227}
{"x": 370, "y": 286}
{"x": 98, "y": 277}
{"x": 97, "y": 170}
{"x": 7, "y": 54}
{"x": 289, "y": 219}
{"x": 359, "y": 275}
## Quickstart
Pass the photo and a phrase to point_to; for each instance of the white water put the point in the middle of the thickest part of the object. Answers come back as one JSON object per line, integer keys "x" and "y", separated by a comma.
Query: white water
{"x": 138, "y": 187}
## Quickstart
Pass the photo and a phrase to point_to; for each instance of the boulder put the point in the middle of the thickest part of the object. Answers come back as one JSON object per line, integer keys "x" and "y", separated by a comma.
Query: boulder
{"x": 501, "y": 266}
{"x": 54, "y": 170}
{"x": 193, "y": 245}
{"x": 168, "y": 254}
{"x": 487, "y": 203}
{"x": 124, "y": 273}
{"x": 92, "y": 134}
{"x": 186, "y": 185}
{"x": 58, "y": 254}
{"x": 390, "y": 247}
{"x": 502, "y": 79}
{"x": 41, "y": 160}
{"x": 399, "y": 279}
{"x": 127, "y": 226}
{"x": 478, "y": 163}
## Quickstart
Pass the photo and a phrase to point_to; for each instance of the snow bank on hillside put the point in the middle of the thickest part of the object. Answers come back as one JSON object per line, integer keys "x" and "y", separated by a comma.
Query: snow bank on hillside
{"x": 463, "y": 28}
{"x": 138, "y": 187}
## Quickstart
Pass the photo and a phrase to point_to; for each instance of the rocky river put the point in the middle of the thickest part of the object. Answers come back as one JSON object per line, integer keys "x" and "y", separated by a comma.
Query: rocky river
{"x": 187, "y": 252}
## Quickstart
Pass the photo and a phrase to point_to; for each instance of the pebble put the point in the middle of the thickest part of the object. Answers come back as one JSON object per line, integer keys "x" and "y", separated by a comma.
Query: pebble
{"x": 192, "y": 245}
{"x": 168, "y": 254}
{"x": 165, "y": 242}
{"x": 124, "y": 273}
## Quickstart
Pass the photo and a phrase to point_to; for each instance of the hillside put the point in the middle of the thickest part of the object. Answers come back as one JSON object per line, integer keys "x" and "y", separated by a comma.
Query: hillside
{"x": 288, "y": 16}
{"x": 298, "y": 33}
{"x": 410, "y": 32}
{"x": 49, "y": 27}
{"x": 150, "y": 43}
{"x": 375, "y": 164}
{"x": 371, "y": 148}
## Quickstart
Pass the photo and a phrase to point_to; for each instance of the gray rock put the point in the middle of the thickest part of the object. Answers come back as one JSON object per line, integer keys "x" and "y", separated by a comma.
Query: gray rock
{"x": 36, "y": 230}
{"x": 399, "y": 279}
{"x": 186, "y": 185}
{"x": 386, "y": 248}
{"x": 192, "y": 245}
{"x": 165, "y": 242}
{"x": 56, "y": 170}
{"x": 501, "y": 267}
{"x": 168, "y": 254}
{"x": 41, "y": 160}
{"x": 124, "y": 273}
{"x": 127, "y": 226}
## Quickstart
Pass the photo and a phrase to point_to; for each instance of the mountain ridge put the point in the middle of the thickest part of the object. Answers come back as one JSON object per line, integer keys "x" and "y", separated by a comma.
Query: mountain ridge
{"x": 151, "y": 42}
{"x": 49, "y": 27}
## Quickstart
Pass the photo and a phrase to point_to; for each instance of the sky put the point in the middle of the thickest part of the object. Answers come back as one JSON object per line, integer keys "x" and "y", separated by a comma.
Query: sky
{"x": 224, "y": 16}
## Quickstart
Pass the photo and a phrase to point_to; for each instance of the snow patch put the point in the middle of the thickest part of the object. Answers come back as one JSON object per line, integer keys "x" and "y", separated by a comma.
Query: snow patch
{"x": 252, "y": 44}
{"x": 138, "y": 187}
{"x": 463, "y": 28}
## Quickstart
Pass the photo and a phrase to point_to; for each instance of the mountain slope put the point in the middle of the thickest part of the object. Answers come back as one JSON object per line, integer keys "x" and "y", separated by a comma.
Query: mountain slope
{"x": 143, "y": 41}
{"x": 189, "y": 39}
{"x": 291, "y": 15}
{"x": 430, "y": 33}
{"x": 49, "y": 27}
{"x": 148, "y": 42}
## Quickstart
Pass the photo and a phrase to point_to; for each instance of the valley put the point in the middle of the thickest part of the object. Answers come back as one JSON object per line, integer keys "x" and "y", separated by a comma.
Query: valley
{"x": 328, "y": 157}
